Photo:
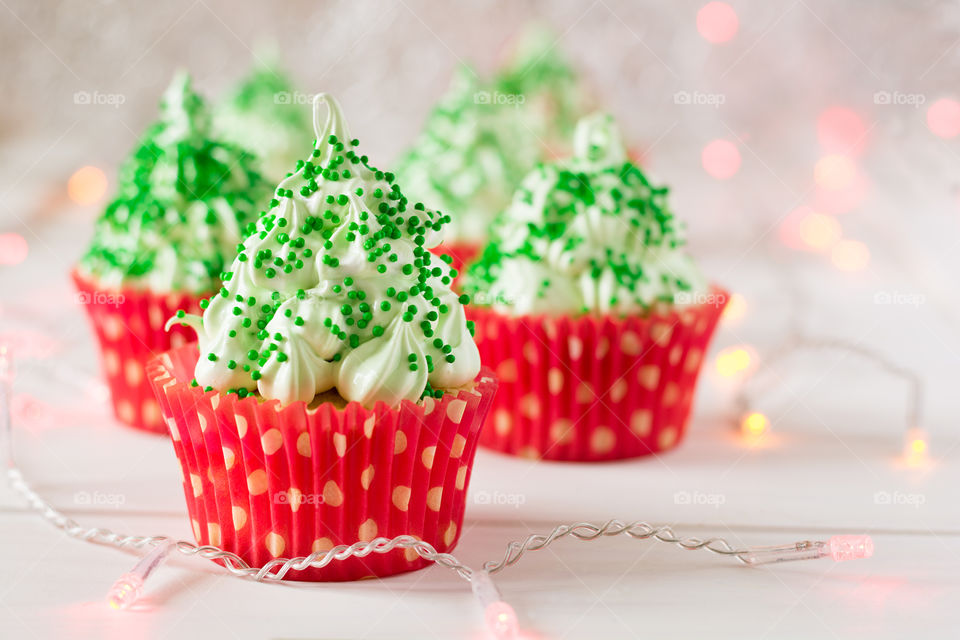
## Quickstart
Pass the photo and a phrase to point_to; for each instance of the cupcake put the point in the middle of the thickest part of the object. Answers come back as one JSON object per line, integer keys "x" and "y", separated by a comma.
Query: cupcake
{"x": 183, "y": 200}
{"x": 336, "y": 393}
{"x": 595, "y": 317}
{"x": 267, "y": 116}
{"x": 484, "y": 136}
{"x": 471, "y": 156}
{"x": 551, "y": 96}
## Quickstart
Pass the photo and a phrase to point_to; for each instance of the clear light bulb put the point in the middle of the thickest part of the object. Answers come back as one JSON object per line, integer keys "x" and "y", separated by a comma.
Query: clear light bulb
{"x": 128, "y": 587}
{"x": 838, "y": 548}
{"x": 850, "y": 547}
{"x": 125, "y": 591}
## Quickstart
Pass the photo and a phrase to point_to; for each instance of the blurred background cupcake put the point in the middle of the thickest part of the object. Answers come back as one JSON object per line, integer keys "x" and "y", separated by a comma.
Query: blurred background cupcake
{"x": 483, "y": 136}
{"x": 336, "y": 393}
{"x": 596, "y": 318}
{"x": 551, "y": 96}
{"x": 265, "y": 114}
{"x": 183, "y": 200}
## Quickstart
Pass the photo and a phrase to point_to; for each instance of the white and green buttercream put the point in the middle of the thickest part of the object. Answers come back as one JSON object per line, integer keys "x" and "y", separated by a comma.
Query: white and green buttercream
{"x": 184, "y": 199}
{"x": 587, "y": 235}
{"x": 485, "y": 135}
{"x": 336, "y": 289}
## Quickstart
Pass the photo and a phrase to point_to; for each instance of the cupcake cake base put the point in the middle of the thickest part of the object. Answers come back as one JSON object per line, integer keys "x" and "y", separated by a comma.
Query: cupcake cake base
{"x": 266, "y": 481}
{"x": 593, "y": 389}
{"x": 129, "y": 325}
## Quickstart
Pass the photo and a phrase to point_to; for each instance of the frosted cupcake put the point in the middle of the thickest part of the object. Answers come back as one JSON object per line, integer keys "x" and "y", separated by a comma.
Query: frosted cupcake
{"x": 483, "y": 137}
{"x": 551, "y": 96}
{"x": 596, "y": 317}
{"x": 471, "y": 156}
{"x": 266, "y": 115}
{"x": 336, "y": 394}
{"x": 183, "y": 200}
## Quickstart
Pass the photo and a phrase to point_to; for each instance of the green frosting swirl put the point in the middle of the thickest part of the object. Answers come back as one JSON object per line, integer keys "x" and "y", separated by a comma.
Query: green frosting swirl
{"x": 265, "y": 114}
{"x": 182, "y": 202}
{"x": 335, "y": 287}
{"x": 586, "y": 235}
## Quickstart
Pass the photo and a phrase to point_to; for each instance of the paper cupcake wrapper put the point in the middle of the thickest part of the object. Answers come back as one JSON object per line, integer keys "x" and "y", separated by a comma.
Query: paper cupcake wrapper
{"x": 593, "y": 389}
{"x": 128, "y": 324}
{"x": 266, "y": 481}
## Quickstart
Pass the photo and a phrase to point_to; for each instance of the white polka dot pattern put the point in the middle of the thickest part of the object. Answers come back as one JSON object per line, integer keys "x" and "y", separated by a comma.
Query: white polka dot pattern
{"x": 275, "y": 544}
{"x": 593, "y": 388}
{"x": 287, "y": 483}
{"x": 130, "y": 334}
{"x": 271, "y": 441}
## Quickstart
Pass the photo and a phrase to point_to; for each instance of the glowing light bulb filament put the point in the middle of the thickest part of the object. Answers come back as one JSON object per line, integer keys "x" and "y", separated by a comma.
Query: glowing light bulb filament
{"x": 754, "y": 424}
{"x": 128, "y": 588}
{"x": 125, "y": 591}
{"x": 500, "y": 617}
{"x": 916, "y": 446}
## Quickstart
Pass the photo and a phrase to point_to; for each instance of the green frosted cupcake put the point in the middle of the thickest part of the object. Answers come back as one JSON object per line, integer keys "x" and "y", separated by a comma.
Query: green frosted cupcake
{"x": 335, "y": 394}
{"x": 469, "y": 158}
{"x": 553, "y": 97}
{"x": 597, "y": 318}
{"x": 265, "y": 114}
{"x": 484, "y": 136}
{"x": 336, "y": 289}
{"x": 589, "y": 234}
{"x": 183, "y": 202}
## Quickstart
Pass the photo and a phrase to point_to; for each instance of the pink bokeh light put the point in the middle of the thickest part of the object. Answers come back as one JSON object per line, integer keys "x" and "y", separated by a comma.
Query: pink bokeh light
{"x": 13, "y": 248}
{"x": 721, "y": 159}
{"x": 943, "y": 118}
{"x": 841, "y": 130}
{"x": 717, "y": 22}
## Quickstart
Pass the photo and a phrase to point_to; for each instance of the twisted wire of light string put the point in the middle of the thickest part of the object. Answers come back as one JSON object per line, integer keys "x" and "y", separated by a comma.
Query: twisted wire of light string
{"x": 589, "y": 531}
{"x": 278, "y": 568}
{"x": 274, "y": 570}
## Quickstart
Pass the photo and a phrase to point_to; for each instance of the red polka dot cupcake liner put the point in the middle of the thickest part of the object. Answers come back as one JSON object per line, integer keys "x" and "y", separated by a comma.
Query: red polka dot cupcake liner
{"x": 266, "y": 481}
{"x": 129, "y": 324}
{"x": 592, "y": 389}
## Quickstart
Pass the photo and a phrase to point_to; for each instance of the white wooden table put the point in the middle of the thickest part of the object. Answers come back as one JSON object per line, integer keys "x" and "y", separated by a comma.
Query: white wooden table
{"x": 830, "y": 466}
